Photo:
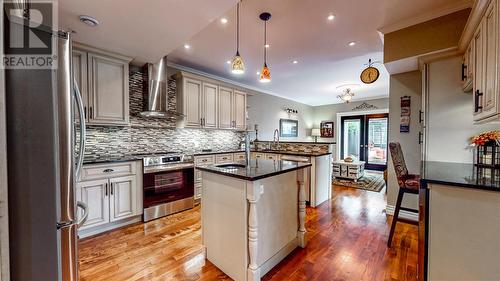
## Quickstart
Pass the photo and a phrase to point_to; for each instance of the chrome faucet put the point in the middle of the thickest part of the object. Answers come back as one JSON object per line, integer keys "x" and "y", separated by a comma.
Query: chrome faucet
{"x": 276, "y": 139}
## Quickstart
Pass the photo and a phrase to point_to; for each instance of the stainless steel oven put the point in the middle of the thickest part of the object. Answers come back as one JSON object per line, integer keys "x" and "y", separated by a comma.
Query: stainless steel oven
{"x": 168, "y": 184}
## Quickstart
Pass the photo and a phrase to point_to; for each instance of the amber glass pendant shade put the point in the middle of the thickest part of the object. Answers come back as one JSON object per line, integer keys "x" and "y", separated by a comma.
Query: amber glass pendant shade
{"x": 237, "y": 64}
{"x": 265, "y": 74}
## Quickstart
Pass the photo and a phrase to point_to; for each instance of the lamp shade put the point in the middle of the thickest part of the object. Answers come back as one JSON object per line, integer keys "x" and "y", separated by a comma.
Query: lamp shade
{"x": 315, "y": 133}
{"x": 265, "y": 74}
{"x": 237, "y": 65}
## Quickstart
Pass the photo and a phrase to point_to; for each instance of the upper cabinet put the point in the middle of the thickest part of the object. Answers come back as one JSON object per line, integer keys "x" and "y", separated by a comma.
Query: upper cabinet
{"x": 208, "y": 103}
{"x": 239, "y": 110}
{"x": 102, "y": 78}
{"x": 482, "y": 66}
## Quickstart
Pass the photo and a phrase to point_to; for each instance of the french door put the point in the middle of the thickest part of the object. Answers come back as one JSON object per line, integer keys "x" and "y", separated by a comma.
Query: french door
{"x": 365, "y": 138}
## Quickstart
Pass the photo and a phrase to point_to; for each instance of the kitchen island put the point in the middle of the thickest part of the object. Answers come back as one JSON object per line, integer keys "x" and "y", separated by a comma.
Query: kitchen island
{"x": 252, "y": 216}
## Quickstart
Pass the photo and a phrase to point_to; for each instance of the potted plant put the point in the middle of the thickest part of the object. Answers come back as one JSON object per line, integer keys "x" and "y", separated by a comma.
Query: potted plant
{"x": 487, "y": 149}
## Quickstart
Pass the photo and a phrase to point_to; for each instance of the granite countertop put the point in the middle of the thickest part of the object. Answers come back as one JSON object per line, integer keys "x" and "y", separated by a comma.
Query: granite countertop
{"x": 460, "y": 175}
{"x": 259, "y": 169}
{"x": 312, "y": 153}
{"x": 132, "y": 157}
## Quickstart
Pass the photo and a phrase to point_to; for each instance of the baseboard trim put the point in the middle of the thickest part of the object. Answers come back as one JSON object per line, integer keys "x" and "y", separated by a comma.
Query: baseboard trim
{"x": 85, "y": 233}
{"x": 389, "y": 209}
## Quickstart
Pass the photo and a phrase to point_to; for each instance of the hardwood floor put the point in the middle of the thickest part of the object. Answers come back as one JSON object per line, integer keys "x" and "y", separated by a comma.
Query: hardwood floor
{"x": 347, "y": 241}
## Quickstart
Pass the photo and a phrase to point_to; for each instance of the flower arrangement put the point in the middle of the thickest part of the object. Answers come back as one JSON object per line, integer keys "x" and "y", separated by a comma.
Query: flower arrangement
{"x": 485, "y": 138}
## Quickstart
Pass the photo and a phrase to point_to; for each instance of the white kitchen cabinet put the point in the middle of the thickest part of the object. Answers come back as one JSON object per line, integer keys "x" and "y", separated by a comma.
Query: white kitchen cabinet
{"x": 272, "y": 156}
{"x": 80, "y": 74}
{"x": 223, "y": 158}
{"x": 239, "y": 110}
{"x": 190, "y": 102}
{"x": 123, "y": 197}
{"x": 95, "y": 195}
{"x": 209, "y": 105}
{"x": 225, "y": 108}
{"x": 257, "y": 155}
{"x": 198, "y": 184}
{"x": 486, "y": 66}
{"x": 102, "y": 78}
{"x": 239, "y": 156}
{"x": 113, "y": 194}
{"x": 468, "y": 68}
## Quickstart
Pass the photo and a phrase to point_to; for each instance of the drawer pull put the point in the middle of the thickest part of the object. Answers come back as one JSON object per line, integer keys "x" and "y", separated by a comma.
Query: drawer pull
{"x": 108, "y": 171}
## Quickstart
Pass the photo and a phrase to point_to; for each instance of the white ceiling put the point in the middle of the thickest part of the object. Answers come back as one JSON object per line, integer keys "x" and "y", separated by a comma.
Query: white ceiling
{"x": 298, "y": 30}
{"x": 144, "y": 30}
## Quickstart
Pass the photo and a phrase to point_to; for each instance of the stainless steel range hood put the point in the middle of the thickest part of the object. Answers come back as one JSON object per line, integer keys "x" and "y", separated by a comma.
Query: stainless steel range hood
{"x": 156, "y": 99}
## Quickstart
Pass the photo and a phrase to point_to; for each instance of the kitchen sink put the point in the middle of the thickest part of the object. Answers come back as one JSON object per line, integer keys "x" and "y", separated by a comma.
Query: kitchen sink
{"x": 231, "y": 166}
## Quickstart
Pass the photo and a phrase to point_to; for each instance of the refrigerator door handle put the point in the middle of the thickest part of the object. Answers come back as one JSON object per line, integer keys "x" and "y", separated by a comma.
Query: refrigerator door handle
{"x": 85, "y": 209}
{"x": 83, "y": 130}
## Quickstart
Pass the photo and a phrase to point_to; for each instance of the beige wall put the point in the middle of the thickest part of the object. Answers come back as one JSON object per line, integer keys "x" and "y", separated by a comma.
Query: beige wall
{"x": 449, "y": 114}
{"x": 267, "y": 110}
{"x": 437, "y": 34}
{"x": 329, "y": 112}
{"x": 404, "y": 84}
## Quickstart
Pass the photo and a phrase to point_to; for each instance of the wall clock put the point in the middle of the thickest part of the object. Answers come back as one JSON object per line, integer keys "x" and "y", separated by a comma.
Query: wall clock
{"x": 369, "y": 74}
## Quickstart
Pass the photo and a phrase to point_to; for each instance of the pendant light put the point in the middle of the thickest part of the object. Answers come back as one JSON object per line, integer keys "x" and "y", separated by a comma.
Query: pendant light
{"x": 237, "y": 64}
{"x": 265, "y": 74}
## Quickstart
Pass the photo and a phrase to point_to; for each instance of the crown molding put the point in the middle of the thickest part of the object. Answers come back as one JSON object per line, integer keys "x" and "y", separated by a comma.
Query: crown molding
{"x": 455, "y": 7}
{"x": 226, "y": 80}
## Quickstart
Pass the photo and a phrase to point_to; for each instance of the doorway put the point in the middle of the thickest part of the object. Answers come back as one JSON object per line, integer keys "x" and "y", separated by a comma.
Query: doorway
{"x": 365, "y": 138}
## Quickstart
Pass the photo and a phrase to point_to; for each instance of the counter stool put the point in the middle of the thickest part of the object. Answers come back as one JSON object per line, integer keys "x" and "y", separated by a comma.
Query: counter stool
{"x": 408, "y": 183}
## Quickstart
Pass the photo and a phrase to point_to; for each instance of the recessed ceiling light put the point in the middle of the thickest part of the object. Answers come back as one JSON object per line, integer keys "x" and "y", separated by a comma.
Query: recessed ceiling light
{"x": 295, "y": 61}
{"x": 88, "y": 20}
{"x": 258, "y": 72}
{"x": 223, "y": 20}
{"x": 331, "y": 17}
{"x": 228, "y": 62}
{"x": 267, "y": 45}
{"x": 186, "y": 46}
{"x": 352, "y": 43}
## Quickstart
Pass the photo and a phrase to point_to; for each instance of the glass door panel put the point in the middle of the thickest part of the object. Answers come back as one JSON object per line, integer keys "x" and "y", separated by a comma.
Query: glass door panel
{"x": 352, "y": 133}
{"x": 377, "y": 141}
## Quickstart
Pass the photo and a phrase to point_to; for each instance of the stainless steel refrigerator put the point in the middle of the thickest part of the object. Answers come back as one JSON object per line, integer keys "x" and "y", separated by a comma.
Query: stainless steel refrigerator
{"x": 43, "y": 166}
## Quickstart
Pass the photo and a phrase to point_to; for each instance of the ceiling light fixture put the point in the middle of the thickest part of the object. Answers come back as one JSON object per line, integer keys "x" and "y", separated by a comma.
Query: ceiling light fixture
{"x": 331, "y": 17}
{"x": 346, "y": 95}
{"x": 266, "y": 46}
{"x": 258, "y": 72}
{"x": 237, "y": 65}
{"x": 352, "y": 43}
{"x": 295, "y": 62}
{"x": 265, "y": 74}
{"x": 223, "y": 20}
{"x": 88, "y": 20}
{"x": 228, "y": 62}
{"x": 186, "y": 46}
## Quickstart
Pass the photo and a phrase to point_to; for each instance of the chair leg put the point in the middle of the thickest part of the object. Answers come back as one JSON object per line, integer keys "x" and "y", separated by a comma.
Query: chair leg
{"x": 395, "y": 217}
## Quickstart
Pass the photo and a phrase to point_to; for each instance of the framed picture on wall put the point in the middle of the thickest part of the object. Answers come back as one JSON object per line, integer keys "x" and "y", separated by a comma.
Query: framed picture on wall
{"x": 327, "y": 129}
{"x": 289, "y": 128}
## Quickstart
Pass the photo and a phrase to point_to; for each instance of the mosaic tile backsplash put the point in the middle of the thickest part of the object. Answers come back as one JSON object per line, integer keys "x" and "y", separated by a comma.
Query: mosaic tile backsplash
{"x": 152, "y": 135}
{"x": 294, "y": 146}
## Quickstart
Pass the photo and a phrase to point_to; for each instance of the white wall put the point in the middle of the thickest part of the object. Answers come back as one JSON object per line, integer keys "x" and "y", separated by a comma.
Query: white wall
{"x": 267, "y": 110}
{"x": 405, "y": 84}
{"x": 449, "y": 116}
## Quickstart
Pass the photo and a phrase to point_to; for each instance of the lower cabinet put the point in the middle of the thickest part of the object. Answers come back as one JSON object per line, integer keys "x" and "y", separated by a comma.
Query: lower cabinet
{"x": 113, "y": 197}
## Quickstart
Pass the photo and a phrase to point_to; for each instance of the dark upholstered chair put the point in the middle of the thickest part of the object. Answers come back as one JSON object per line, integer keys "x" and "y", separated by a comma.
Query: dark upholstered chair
{"x": 407, "y": 184}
